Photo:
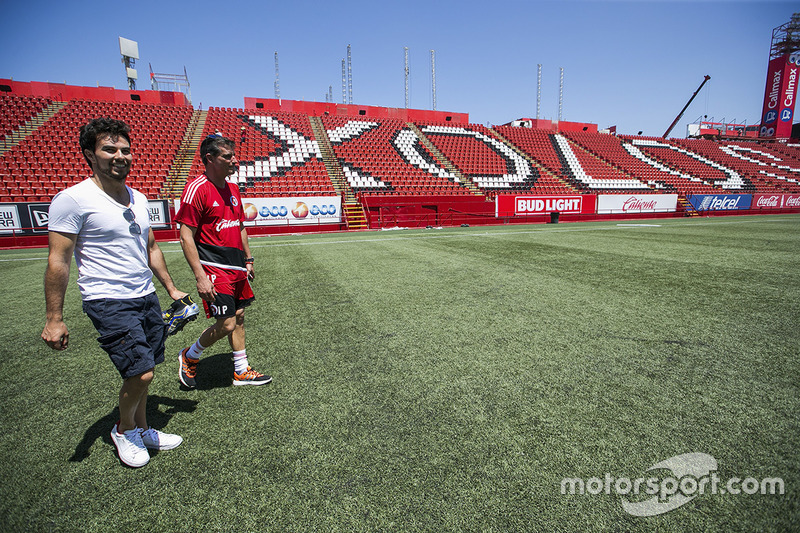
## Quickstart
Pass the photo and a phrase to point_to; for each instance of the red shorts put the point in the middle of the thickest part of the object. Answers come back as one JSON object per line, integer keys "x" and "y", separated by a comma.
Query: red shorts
{"x": 232, "y": 293}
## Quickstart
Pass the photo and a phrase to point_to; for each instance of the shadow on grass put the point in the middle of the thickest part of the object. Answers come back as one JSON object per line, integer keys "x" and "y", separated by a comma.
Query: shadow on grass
{"x": 157, "y": 419}
{"x": 215, "y": 372}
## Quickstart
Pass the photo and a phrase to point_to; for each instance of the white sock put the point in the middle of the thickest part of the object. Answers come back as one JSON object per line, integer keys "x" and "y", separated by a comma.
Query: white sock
{"x": 240, "y": 362}
{"x": 196, "y": 351}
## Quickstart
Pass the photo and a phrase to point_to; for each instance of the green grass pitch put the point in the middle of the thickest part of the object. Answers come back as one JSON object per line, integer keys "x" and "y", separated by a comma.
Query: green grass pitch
{"x": 433, "y": 380}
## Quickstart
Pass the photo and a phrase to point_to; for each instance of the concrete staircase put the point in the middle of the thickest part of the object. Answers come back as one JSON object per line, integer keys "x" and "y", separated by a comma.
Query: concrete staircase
{"x": 351, "y": 208}
{"x": 182, "y": 165}
{"x": 331, "y": 163}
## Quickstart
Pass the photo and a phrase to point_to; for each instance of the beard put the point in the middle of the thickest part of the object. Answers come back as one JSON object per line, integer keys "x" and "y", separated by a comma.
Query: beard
{"x": 115, "y": 173}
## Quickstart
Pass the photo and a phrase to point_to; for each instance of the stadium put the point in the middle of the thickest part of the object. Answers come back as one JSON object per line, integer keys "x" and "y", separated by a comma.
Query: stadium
{"x": 494, "y": 327}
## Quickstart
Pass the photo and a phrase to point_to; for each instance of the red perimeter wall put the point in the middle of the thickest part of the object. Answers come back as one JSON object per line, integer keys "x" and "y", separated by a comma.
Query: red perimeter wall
{"x": 421, "y": 211}
{"x": 62, "y": 92}
{"x": 318, "y": 109}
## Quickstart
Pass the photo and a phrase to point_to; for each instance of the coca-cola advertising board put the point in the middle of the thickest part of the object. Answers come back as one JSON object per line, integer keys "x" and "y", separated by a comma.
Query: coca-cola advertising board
{"x": 776, "y": 201}
{"x": 636, "y": 203}
{"x": 507, "y": 205}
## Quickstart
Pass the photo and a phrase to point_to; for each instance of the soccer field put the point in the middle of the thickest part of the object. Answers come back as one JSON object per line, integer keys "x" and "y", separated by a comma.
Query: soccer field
{"x": 438, "y": 380}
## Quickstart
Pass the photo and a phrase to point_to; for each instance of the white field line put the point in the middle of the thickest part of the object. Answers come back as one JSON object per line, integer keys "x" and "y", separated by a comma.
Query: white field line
{"x": 454, "y": 235}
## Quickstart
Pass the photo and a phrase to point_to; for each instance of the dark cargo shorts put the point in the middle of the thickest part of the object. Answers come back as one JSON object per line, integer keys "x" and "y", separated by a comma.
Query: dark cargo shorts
{"x": 131, "y": 331}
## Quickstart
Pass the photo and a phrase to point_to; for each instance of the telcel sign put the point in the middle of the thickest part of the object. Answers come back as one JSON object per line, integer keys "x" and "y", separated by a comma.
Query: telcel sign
{"x": 720, "y": 202}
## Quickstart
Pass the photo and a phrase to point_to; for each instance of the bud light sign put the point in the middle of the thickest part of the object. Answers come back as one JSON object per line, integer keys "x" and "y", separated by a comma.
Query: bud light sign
{"x": 720, "y": 202}
{"x": 511, "y": 205}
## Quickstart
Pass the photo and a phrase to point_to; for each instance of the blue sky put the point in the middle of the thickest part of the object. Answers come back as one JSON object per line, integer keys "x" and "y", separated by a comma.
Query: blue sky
{"x": 633, "y": 64}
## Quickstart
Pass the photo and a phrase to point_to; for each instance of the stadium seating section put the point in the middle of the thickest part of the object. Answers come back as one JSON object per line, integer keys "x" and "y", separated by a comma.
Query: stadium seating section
{"x": 49, "y": 159}
{"x": 284, "y": 154}
{"x": 387, "y": 157}
{"x": 277, "y": 152}
{"x": 16, "y": 110}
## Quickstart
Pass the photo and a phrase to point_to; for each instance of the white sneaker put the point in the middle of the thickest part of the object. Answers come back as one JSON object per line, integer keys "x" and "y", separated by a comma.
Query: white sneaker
{"x": 158, "y": 440}
{"x": 130, "y": 447}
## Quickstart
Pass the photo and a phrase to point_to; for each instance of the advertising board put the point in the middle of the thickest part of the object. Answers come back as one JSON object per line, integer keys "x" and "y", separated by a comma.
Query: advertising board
{"x": 776, "y": 201}
{"x": 296, "y": 210}
{"x": 507, "y": 205}
{"x": 31, "y": 218}
{"x": 720, "y": 202}
{"x": 636, "y": 203}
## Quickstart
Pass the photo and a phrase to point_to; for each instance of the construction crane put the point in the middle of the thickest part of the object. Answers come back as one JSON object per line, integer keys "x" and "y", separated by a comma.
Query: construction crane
{"x": 705, "y": 79}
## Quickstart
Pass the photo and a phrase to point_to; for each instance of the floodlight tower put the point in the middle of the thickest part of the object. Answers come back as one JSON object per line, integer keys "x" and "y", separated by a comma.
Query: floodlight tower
{"x": 344, "y": 83}
{"x": 538, "y": 89}
{"x": 405, "y": 49}
{"x": 560, "y": 92}
{"x": 130, "y": 53}
{"x": 277, "y": 79}
{"x": 433, "y": 77}
{"x": 349, "y": 77}
{"x": 786, "y": 38}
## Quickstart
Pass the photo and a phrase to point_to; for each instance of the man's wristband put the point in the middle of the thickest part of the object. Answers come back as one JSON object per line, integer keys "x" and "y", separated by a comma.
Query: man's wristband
{"x": 250, "y": 260}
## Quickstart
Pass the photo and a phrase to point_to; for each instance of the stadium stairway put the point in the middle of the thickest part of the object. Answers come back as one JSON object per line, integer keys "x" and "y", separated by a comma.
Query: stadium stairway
{"x": 330, "y": 162}
{"x": 685, "y": 206}
{"x": 354, "y": 215}
{"x": 448, "y": 165}
{"x": 30, "y": 126}
{"x": 179, "y": 173}
{"x": 351, "y": 208}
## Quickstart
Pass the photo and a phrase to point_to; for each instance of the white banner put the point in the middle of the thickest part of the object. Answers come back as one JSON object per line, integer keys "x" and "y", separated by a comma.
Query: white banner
{"x": 9, "y": 218}
{"x": 159, "y": 214}
{"x": 296, "y": 210}
{"x": 636, "y": 203}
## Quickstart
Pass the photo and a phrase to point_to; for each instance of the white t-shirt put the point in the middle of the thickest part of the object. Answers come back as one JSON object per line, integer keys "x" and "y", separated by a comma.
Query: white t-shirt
{"x": 112, "y": 262}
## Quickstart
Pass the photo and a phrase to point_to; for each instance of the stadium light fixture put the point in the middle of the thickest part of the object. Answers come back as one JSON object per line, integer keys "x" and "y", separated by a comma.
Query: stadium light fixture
{"x": 405, "y": 49}
{"x": 130, "y": 53}
{"x": 344, "y": 82}
{"x": 277, "y": 83}
{"x": 538, "y": 89}
{"x": 433, "y": 77}
{"x": 349, "y": 77}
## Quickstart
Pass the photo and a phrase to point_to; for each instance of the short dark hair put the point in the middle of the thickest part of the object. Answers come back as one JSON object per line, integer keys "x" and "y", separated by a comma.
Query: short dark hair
{"x": 213, "y": 144}
{"x": 102, "y": 126}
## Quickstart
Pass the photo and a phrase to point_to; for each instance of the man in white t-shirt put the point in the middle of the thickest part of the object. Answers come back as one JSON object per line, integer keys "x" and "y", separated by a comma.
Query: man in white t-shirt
{"x": 106, "y": 225}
